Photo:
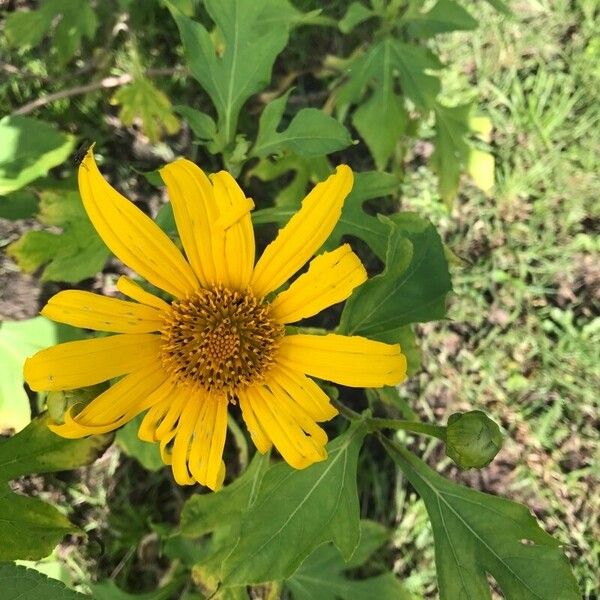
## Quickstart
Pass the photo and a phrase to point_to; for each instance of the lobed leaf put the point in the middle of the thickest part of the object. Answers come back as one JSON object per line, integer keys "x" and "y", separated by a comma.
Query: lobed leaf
{"x": 411, "y": 289}
{"x": 310, "y": 132}
{"x": 476, "y": 534}
{"x": 76, "y": 254}
{"x": 296, "y": 511}
{"x": 323, "y": 574}
{"x": 443, "y": 17}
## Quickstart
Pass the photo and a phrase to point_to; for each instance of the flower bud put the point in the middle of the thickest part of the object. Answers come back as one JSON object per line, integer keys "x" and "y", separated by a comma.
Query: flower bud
{"x": 472, "y": 439}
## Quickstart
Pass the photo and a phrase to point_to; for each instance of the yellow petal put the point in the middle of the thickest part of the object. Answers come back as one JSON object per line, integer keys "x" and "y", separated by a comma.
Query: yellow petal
{"x": 183, "y": 439}
{"x": 304, "y": 234}
{"x": 298, "y": 438}
{"x": 196, "y": 213}
{"x": 131, "y": 235}
{"x": 233, "y": 236}
{"x": 348, "y": 360}
{"x": 116, "y": 406}
{"x": 78, "y": 364}
{"x": 206, "y": 453}
{"x": 303, "y": 391}
{"x": 259, "y": 437}
{"x": 92, "y": 311}
{"x": 330, "y": 279}
{"x": 131, "y": 289}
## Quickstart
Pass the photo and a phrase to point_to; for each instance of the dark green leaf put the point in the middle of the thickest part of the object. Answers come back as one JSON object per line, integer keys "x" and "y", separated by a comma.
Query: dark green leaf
{"x": 444, "y": 16}
{"x": 476, "y": 534}
{"x": 30, "y": 528}
{"x": 75, "y": 254}
{"x": 412, "y": 288}
{"x": 322, "y": 575}
{"x": 147, "y": 454}
{"x": 310, "y": 133}
{"x": 202, "y": 125}
{"x": 296, "y": 511}
{"x": 20, "y": 583}
{"x": 21, "y": 204}
{"x": 357, "y": 13}
{"x": 355, "y": 221}
{"x": 29, "y": 149}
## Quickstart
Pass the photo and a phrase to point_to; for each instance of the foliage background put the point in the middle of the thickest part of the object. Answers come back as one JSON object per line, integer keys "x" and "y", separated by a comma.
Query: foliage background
{"x": 522, "y": 338}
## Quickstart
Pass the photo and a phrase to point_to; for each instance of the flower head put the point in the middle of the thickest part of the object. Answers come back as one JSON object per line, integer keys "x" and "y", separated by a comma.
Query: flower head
{"x": 221, "y": 339}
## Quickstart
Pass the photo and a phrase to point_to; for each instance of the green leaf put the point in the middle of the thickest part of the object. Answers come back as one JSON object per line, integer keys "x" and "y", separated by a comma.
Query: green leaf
{"x": 380, "y": 68}
{"x": 310, "y": 133}
{"x": 221, "y": 514}
{"x": 18, "y": 340}
{"x": 147, "y": 454}
{"x": 322, "y": 574}
{"x": 356, "y": 14}
{"x": 501, "y": 6}
{"x": 201, "y": 124}
{"x": 476, "y": 534}
{"x": 444, "y": 16}
{"x": 109, "y": 590}
{"x": 29, "y": 527}
{"x": 203, "y": 513}
{"x": 451, "y": 147}
{"x": 142, "y": 100}
{"x": 29, "y": 149}
{"x": 411, "y": 289}
{"x": 296, "y": 511}
{"x": 306, "y": 170}
{"x": 355, "y": 221}
{"x": 76, "y": 254}
{"x": 20, "y": 583}
{"x": 68, "y": 22}
{"x": 21, "y": 204}
{"x": 241, "y": 64}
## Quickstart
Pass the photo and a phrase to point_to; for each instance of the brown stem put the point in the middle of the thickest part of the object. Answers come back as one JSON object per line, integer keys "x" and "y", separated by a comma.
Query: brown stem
{"x": 107, "y": 82}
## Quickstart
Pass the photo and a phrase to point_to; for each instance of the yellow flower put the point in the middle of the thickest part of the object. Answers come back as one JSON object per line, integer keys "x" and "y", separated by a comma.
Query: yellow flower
{"x": 222, "y": 339}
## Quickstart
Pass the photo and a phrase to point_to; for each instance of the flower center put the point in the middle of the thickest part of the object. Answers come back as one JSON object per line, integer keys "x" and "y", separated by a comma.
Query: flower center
{"x": 220, "y": 339}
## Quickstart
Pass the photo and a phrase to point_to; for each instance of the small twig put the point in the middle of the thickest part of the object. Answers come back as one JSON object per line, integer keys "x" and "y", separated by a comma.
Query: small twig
{"x": 107, "y": 82}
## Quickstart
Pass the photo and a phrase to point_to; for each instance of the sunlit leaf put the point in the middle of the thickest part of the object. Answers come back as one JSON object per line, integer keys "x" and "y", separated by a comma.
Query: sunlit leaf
{"x": 444, "y": 16}
{"x": 18, "y": 340}
{"x": 476, "y": 534}
{"x": 412, "y": 288}
{"x": 310, "y": 132}
{"x": 481, "y": 167}
{"x": 21, "y": 583}
{"x": 29, "y": 149}
{"x": 296, "y": 511}
{"x": 30, "y": 528}
{"x": 322, "y": 575}
{"x": 71, "y": 256}
{"x": 142, "y": 100}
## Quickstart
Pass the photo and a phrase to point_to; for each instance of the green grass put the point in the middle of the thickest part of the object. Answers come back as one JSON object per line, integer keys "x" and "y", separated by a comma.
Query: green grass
{"x": 522, "y": 341}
